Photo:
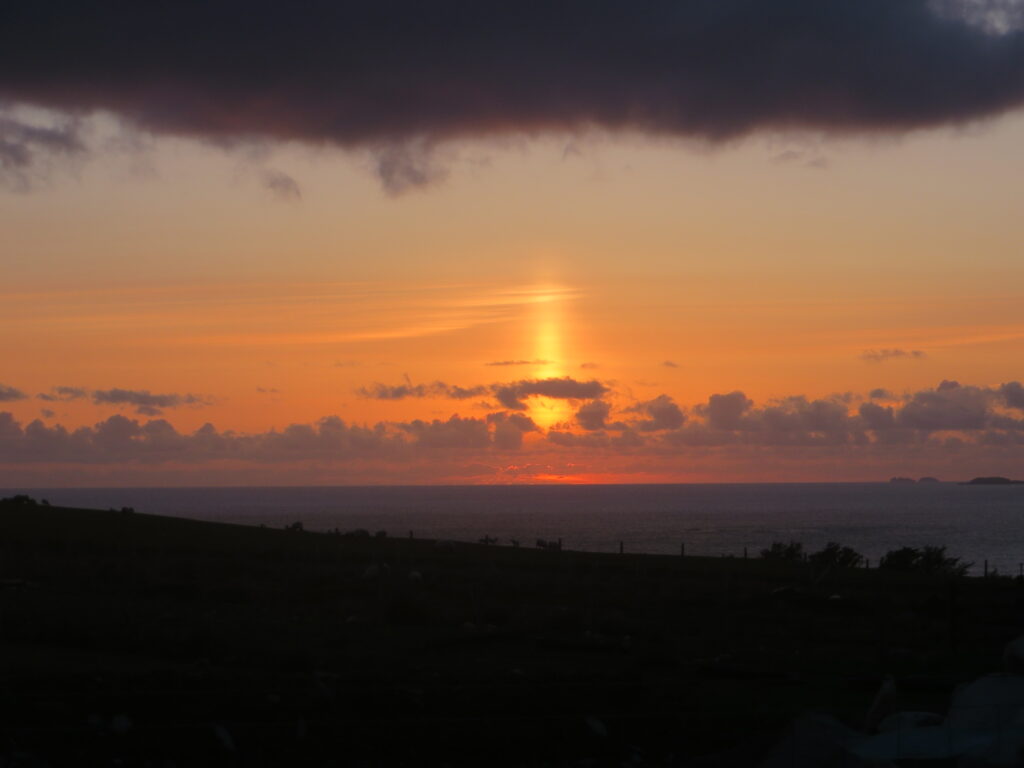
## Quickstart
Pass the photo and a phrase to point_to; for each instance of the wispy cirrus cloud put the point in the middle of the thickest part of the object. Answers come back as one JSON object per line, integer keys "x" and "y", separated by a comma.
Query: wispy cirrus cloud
{"x": 506, "y": 363}
{"x": 146, "y": 403}
{"x": 891, "y": 353}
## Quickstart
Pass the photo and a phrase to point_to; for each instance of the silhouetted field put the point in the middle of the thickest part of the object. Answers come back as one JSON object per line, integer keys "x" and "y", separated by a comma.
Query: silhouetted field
{"x": 151, "y": 639}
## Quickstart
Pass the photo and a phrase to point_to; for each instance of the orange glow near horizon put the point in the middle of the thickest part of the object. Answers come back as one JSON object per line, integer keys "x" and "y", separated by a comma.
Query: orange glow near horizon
{"x": 666, "y": 275}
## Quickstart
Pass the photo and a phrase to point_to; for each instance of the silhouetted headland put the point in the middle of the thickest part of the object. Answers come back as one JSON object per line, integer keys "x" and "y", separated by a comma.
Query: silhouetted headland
{"x": 993, "y": 481}
{"x": 133, "y": 639}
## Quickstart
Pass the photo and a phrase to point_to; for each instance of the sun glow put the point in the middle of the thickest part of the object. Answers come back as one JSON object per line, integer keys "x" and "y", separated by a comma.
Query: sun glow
{"x": 549, "y": 331}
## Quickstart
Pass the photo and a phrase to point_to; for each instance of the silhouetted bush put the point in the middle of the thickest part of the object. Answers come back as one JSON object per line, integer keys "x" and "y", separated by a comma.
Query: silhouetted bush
{"x": 836, "y": 556}
{"x": 779, "y": 550}
{"x": 931, "y": 560}
{"x": 20, "y": 500}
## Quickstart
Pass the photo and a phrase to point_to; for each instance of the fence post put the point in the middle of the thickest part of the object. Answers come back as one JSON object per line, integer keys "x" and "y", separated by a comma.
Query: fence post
{"x": 682, "y": 549}
{"x": 620, "y": 548}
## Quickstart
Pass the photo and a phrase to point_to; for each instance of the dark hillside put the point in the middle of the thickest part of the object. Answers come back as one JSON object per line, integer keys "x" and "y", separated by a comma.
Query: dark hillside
{"x": 141, "y": 638}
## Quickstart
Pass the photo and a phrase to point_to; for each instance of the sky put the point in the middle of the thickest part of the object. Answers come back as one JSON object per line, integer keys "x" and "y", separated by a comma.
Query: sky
{"x": 452, "y": 242}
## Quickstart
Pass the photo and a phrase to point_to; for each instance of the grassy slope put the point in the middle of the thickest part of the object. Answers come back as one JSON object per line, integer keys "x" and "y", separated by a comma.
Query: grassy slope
{"x": 309, "y": 647}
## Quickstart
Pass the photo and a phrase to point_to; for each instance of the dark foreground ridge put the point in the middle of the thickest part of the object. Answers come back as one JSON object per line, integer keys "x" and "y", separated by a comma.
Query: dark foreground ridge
{"x": 138, "y": 640}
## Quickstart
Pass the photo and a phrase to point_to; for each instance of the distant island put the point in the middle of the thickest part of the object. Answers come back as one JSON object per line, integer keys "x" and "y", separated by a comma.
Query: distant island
{"x": 911, "y": 481}
{"x": 993, "y": 481}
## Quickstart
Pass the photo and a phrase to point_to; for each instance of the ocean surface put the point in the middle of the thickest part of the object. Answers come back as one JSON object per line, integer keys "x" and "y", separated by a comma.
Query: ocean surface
{"x": 973, "y": 522}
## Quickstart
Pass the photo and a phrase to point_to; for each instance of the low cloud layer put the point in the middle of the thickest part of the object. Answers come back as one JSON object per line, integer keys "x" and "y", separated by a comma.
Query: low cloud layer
{"x": 397, "y": 77}
{"x": 119, "y": 439}
{"x": 961, "y": 425}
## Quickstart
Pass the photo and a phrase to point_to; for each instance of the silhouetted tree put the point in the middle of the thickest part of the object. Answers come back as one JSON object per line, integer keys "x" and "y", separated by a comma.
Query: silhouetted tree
{"x": 931, "y": 560}
{"x": 779, "y": 550}
{"x": 836, "y": 556}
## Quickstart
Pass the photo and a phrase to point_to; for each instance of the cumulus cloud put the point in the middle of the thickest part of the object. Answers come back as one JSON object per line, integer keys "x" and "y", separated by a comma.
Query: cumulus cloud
{"x": 593, "y": 416}
{"x": 948, "y": 407}
{"x": 509, "y": 429}
{"x": 399, "y": 77}
{"x": 662, "y": 413}
{"x": 883, "y": 355}
{"x": 877, "y": 417}
{"x": 7, "y": 394}
{"x": 1013, "y": 394}
{"x": 725, "y": 411}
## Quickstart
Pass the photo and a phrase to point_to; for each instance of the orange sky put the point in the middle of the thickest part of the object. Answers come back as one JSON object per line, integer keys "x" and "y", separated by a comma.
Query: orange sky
{"x": 780, "y": 266}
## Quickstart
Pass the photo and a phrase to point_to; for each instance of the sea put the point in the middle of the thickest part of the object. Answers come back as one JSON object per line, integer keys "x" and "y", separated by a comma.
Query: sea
{"x": 975, "y": 523}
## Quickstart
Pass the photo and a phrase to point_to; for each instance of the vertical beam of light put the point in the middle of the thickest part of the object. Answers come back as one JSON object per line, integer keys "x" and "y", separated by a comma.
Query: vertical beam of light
{"x": 549, "y": 330}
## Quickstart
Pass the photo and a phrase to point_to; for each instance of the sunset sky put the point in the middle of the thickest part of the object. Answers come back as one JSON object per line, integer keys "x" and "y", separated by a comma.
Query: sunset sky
{"x": 693, "y": 242}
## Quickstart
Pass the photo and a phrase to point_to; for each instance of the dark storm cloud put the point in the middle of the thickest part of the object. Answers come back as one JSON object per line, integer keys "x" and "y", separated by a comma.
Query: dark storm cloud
{"x": 7, "y": 394}
{"x": 398, "y": 75}
{"x": 26, "y": 150}
{"x": 882, "y": 355}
